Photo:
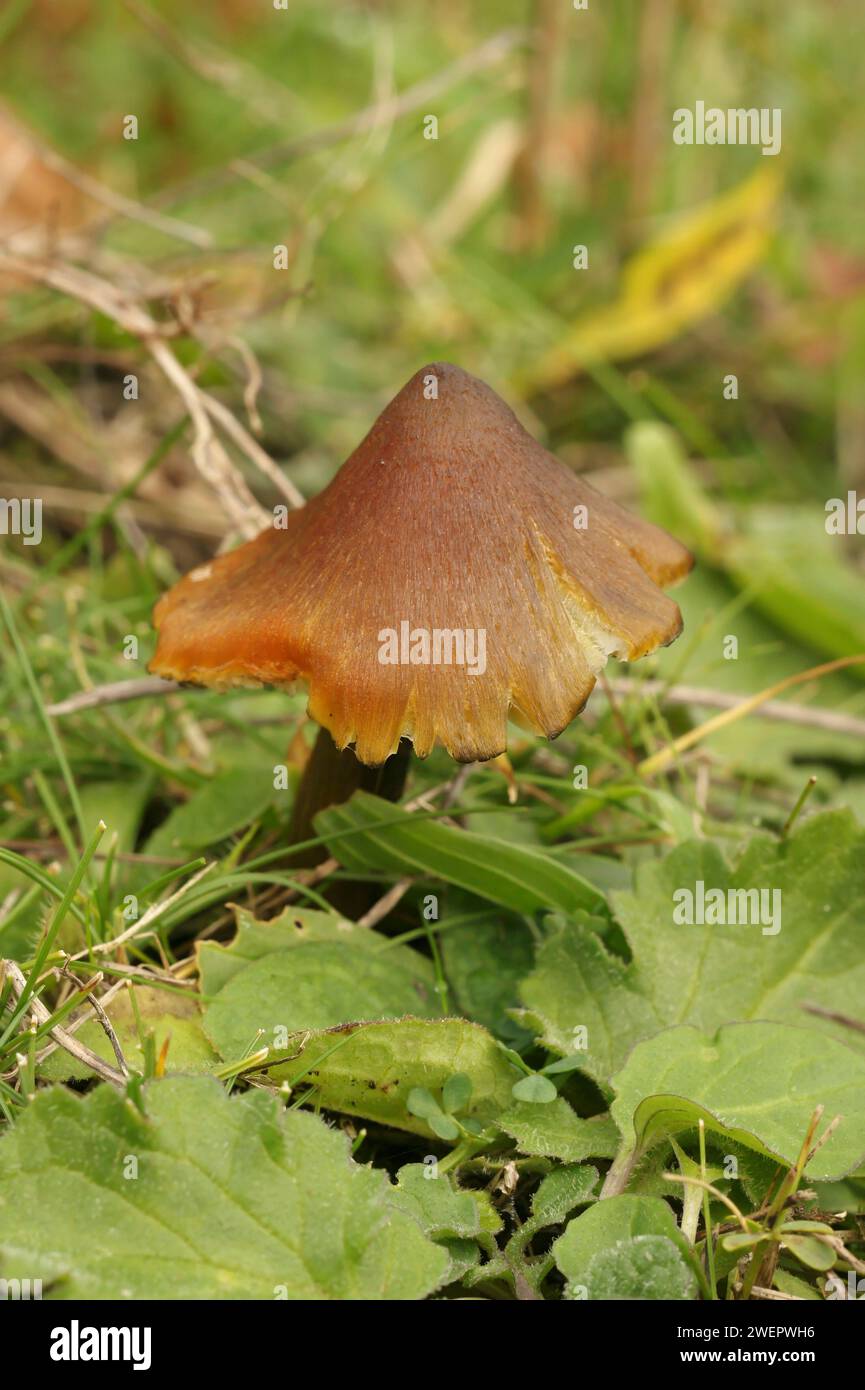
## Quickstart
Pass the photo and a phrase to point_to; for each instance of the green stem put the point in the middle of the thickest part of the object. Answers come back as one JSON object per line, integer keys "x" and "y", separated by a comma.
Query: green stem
{"x": 618, "y": 1176}
{"x": 707, "y": 1216}
{"x": 466, "y": 1149}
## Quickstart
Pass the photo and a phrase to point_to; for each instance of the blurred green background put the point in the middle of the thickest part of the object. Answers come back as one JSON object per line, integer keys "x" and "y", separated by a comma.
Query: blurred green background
{"x": 394, "y": 260}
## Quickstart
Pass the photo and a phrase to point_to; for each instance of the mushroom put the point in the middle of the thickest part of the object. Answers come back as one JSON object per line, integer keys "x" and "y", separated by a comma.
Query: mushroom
{"x": 452, "y": 575}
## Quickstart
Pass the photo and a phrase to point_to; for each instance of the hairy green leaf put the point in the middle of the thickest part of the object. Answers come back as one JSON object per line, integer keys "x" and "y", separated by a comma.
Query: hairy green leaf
{"x": 758, "y": 1082}
{"x": 204, "y": 1197}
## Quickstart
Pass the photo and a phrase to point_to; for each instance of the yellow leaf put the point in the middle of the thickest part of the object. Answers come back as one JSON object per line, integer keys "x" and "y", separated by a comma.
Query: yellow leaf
{"x": 672, "y": 283}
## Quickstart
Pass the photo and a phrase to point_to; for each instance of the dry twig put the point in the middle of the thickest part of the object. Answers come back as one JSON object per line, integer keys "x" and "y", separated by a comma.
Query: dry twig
{"x": 64, "y": 1039}
{"x": 208, "y": 451}
{"x": 780, "y": 710}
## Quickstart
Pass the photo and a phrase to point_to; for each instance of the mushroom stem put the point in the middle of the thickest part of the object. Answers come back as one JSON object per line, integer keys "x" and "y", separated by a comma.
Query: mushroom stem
{"x": 330, "y": 777}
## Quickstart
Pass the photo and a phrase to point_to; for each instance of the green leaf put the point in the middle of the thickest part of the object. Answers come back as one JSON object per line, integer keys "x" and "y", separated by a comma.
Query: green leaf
{"x": 306, "y": 971}
{"x": 565, "y": 1065}
{"x": 846, "y": 1196}
{"x": 422, "y": 1103}
{"x": 711, "y": 974}
{"x": 515, "y": 1059}
{"x": 791, "y": 1284}
{"x": 812, "y": 1226}
{"x": 456, "y": 1093}
{"x": 465, "y": 1257}
{"x": 168, "y": 1015}
{"x": 369, "y": 1069}
{"x": 233, "y": 1199}
{"x": 443, "y": 1126}
{"x": 755, "y": 1172}
{"x": 555, "y": 1131}
{"x": 253, "y": 940}
{"x": 560, "y": 1192}
{"x": 439, "y": 1209}
{"x": 742, "y": 1240}
{"x": 812, "y": 1253}
{"x": 524, "y": 880}
{"x": 605, "y": 1224}
{"x": 578, "y": 982}
{"x": 225, "y": 805}
{"x": 484, "y": 962}
{"x": 462, "y": 1223}
{"x": 757, "y": 1082}
{"x": 645, "y": 1267}
{"x": 536, "y": 1090}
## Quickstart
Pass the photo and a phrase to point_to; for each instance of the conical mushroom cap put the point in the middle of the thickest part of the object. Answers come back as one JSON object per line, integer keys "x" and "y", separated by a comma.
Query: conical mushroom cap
{"x": 445, "y": 577}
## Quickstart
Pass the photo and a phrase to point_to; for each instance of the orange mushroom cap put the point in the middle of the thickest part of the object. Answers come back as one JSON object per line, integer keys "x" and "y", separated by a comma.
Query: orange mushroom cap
{"x": 446, "y": 577}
